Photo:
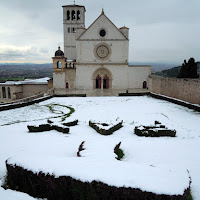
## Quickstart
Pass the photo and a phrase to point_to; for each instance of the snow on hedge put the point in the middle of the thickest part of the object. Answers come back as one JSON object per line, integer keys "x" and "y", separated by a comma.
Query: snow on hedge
{"x": 159, "y": 179}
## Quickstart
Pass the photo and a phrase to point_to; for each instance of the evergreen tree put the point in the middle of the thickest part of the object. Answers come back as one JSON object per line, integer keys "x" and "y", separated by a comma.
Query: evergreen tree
{"x": 188, "y": 69}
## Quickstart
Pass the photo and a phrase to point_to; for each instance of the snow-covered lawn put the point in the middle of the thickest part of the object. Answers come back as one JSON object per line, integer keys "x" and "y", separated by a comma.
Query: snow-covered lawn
{"x": 158, "y": 165}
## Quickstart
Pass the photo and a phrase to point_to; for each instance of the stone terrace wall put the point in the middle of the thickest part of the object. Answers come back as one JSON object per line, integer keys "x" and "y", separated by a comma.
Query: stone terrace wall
{"x": 183, "y": 89}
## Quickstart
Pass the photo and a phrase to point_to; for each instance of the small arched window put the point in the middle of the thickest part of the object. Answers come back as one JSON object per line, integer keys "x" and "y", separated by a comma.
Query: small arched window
{"x": 4, "y": 92}
{"x": 78, "y": 15}
{"x": 67, "y": 85}
{"x": 59, "y": 65}
{"x": 9, "y": 95}
{"x": 68, "y": 15}
{"x": 73, "y": 15}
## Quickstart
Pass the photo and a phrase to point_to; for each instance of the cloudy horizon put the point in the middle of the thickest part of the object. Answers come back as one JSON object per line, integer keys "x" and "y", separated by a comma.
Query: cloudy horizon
{"x": 160, "y": 31}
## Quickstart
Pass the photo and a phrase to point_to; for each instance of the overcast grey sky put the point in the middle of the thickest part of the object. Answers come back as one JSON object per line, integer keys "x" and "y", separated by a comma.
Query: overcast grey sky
{"x": 166, "y": 31}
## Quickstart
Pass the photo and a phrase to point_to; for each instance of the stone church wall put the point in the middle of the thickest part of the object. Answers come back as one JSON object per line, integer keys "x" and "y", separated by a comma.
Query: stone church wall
{"x": 59, "y": 80}
{"x": 137, "y": 74}
{"x": 118, "y": 52}
{"x": 183, "y": 89}
{"x": 33, "y": 89}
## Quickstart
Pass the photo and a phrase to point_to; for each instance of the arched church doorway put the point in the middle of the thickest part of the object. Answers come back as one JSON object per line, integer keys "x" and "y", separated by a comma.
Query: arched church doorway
{"x": 98, "y": 82}
{"x": 102, "y": 78}
{"x": 144, "y": 85}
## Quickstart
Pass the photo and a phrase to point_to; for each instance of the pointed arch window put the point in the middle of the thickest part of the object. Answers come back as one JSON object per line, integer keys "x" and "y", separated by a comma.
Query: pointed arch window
{"x": 98, "y": 82}
{"x": 73, "y": 15}
{"x": 78, "y": 17}
{"x": 4, "y": 92}
{"x": 105, "y": 82}
{"x": 68, "y": 15}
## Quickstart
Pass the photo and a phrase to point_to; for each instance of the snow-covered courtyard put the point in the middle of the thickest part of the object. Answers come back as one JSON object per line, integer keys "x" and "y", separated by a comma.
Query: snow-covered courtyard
{"x": 158, "y": 165}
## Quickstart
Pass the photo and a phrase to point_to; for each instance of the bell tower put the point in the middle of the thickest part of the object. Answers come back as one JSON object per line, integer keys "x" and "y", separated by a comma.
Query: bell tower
{"x": 73, "y": 17}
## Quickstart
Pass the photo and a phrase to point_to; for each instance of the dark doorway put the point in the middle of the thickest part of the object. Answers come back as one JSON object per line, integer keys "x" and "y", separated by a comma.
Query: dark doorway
{"x": 144, "y": 84}
{"x": 98, "y": 82}
{"x": 105, "y": 82}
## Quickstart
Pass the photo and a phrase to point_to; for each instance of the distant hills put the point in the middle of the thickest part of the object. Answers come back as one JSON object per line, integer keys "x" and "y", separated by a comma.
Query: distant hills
{"x": 21, "y": 71}
{"x": 173, "y": 72}
{"x": 155, "y": 67}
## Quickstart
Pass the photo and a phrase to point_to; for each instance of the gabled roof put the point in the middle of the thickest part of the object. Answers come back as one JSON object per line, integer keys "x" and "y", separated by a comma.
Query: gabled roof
{"x": 102, "y": 14}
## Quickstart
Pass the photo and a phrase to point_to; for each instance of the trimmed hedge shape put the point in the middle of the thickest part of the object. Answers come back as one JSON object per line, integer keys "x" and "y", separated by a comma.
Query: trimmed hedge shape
{"x": 81, "y": 148}
{"x": 73, "y": 123}
{"x": 104, "y": 131}
{"x": 119, "y": 152}
{"x": 40, "y": 128}
{"x": 42, "y": 185}
{"x": 48, "y": 127}
{"x": 154, "y": 131}
{"x": 60, "y": 129}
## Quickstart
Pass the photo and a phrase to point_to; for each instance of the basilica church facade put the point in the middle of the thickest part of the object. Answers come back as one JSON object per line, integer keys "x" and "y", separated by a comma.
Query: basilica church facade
{"x": 95, "y": 60}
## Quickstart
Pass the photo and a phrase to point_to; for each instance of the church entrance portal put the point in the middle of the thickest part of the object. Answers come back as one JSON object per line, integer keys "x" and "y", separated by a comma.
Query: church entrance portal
{"x": 102, "y": 79}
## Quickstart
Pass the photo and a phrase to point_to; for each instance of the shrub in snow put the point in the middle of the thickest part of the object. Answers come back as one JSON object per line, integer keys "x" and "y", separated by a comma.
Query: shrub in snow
{"x": 49, "y": 121}
{"x": 80, "y": 149}
{"x": 157, "y": 122}
{"x": 60, "y": 129}
{"x": 118, "y": 152}
{"x": 154, "y": 131}
{"x": 40, "y": 128}
{"x": 99, "y": 127}
{"x": 48, "y": 127}
{"x": 73, "y": 123}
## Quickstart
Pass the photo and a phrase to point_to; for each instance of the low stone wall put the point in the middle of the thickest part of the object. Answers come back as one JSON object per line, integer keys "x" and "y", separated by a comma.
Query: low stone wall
{"x": 176, "y": 101}
{"x": 183, "y": 89}
{"x": 22, "y": 104}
